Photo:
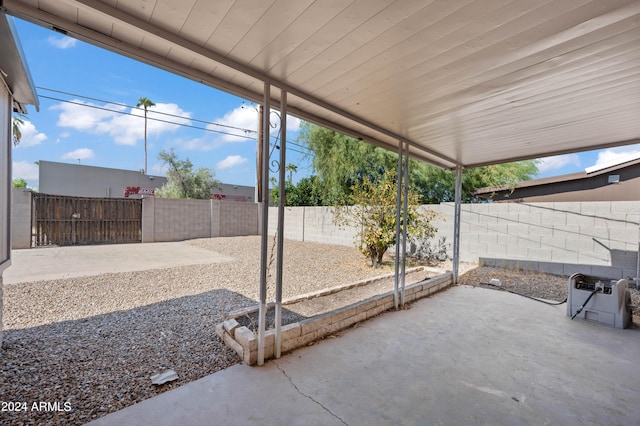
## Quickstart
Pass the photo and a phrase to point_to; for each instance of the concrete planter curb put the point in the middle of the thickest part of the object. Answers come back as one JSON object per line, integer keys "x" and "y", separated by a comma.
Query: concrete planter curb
{"x": 295, "y": 335}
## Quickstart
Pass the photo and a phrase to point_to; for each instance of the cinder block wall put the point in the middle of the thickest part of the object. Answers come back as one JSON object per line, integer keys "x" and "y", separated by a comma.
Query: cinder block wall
{"x": 313, "y": 224}
{"x": 237, "y": 218}
{"x": 20, "y": 218}
{"x": 166, "y": 219}
{"x": 177, "y": 220}
{"x": 596, "y": 238}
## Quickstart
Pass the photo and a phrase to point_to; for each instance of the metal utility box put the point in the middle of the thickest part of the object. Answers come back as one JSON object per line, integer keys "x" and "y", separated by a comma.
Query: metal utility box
{"x": 610, "y": 304}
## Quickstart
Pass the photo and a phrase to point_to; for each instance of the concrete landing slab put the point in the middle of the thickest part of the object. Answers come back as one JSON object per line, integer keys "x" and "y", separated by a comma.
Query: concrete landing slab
{"x": 465, "y": 356}
{"x": 75, "y": 261}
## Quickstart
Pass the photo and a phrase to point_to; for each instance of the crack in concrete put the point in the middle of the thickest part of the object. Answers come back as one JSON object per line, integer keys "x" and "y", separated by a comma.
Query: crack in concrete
{"x": 308, "y": 396}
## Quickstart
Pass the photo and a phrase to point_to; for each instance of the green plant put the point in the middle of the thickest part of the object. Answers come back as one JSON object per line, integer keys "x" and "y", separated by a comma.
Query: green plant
{"x": 374, "y": 214}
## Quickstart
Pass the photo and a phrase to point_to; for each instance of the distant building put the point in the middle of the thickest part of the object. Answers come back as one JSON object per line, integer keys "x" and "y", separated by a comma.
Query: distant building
{"x": 609, "y": 182}
{"x": 90, "y": 181}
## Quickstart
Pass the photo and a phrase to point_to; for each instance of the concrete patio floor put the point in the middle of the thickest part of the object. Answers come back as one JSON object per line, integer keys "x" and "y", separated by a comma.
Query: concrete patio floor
{"x": 466, "y": 356}
{"x": 50, "y": 263}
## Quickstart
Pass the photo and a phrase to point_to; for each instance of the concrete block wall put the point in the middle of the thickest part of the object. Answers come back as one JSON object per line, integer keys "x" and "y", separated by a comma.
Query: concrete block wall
{"x": 177, "y": 220}
{"x": 245, "y": 342}
{"x": 166, "y": 219}
{"x": 237, "y": 218}
{"x": 312, "y": 224}
{"x": 596, "y": 238}
{"x": 20, "y": 218}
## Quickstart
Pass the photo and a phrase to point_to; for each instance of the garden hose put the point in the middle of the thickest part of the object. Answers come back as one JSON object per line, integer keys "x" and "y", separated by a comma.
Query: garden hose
{"x": 586, "y": 301}
{"x": 528, "y": 297}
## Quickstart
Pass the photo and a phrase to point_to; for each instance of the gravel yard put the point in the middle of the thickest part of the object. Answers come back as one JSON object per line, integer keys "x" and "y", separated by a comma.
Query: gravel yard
{"x": 93, "y": 342}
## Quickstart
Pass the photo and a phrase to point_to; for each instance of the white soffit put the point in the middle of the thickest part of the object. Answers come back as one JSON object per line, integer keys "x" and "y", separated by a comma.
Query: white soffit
{"x": 463, "y": 82}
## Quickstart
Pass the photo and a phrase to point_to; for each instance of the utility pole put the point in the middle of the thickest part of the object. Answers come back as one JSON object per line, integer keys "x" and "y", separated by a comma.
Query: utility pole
{"x": 259, "y": 157}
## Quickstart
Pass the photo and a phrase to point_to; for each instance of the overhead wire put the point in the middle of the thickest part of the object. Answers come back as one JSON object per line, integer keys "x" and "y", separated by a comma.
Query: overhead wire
{"x": 155, "y": 112}
{"x": 148, "y": 118}
{"x": 305, "y": 150}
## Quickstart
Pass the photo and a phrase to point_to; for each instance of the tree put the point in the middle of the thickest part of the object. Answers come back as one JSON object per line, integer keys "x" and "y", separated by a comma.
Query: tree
{"x": 291, "y": 168}
{"x": 340, "y": 162}
{"x": 307, "y": 192}
{"x": 146, "y": 103}
{"x": 374, "y": 214}
{"x": 19, "y": 183}
{"x": 436, "y": 185}
{"x": 183, "y": 182}
{"x": 16, "y": 133}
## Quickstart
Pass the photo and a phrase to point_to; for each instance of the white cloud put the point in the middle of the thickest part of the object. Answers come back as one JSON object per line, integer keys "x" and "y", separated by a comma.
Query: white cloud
{"x": 557, "y": 162}
{"x": 293, "y": 124}
{"x": 618, "y": 155}
{"x": 125, "y": 129}
{"x": 30, "y": 135}
{"x": 230, "y": 162}
{"x": 25, "y": 170}
{"x": 62, "y": 42}
{"x": 244, "y": 119}
{"x": 78, "y": 154}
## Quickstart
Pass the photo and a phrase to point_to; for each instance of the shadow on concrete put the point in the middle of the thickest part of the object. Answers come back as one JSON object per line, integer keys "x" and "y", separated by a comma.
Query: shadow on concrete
{"x": 463, "y": 356}
{"x": 103, "y": 363}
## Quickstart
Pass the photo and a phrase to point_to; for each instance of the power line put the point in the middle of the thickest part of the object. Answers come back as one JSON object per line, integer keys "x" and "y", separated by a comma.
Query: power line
{"x": 149, "y": 118}
{"x": 244, "y": 136}
{"x": 155, "y": 112}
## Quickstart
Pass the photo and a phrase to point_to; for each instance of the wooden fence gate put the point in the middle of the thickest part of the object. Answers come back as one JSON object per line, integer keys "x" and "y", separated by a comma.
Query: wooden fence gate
{"x": 62, "y": 220}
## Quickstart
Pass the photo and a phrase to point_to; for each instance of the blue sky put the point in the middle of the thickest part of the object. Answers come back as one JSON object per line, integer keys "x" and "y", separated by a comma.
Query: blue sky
{"x": 78, "y": 82}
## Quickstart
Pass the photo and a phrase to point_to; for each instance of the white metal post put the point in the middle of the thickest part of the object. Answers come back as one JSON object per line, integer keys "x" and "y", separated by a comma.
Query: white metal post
{"x": 280, "y": 232}
{"x": 262, "y": 313}
{"x": 396, "y": 282}
{"x": 456, "y": 225}
{"x": 404, "y": 222}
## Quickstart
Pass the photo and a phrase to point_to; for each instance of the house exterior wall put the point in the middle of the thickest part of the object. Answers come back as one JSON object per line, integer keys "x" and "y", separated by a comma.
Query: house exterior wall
{"x": 5, "y": 186}
{"x": 89, "y": 181}
{"x": 589, "y": 188}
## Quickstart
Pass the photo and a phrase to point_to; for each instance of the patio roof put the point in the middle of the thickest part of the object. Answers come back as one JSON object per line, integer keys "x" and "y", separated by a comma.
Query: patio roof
{"x": 464, "y": 83}
{"x": 14, "y": 69}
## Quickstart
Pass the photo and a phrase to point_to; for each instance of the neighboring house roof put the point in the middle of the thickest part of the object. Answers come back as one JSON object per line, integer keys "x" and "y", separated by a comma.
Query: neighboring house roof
{"x": 13, "y": 67}
{"x": 588, "y": 173}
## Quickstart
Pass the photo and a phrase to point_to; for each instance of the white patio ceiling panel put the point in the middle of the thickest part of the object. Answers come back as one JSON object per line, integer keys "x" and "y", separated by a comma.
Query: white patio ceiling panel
{"x": 464, "y": 82}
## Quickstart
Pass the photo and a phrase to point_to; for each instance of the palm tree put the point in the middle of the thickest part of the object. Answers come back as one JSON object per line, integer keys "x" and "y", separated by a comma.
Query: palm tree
{"x": 16, "y": 132}
{"x": 291, "y": 168}
{"x": 146, "y": 103}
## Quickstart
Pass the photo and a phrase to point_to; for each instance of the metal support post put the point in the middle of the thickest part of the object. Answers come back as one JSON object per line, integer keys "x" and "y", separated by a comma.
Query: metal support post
{"x": 258, "y": 192}
{"x": 456, "y": 225}
{"x": 280, "y": 233}
{"x": 262, "y": 313}
{"x": 404, "y": 222}
{"x": 398, "y": 206}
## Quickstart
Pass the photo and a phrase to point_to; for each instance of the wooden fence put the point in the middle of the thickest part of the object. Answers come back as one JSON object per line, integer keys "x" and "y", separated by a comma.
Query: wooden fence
{"x": 63, "y": 220}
